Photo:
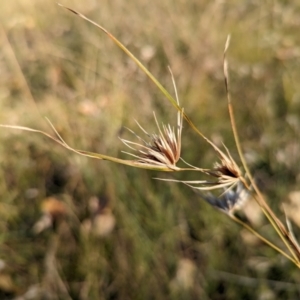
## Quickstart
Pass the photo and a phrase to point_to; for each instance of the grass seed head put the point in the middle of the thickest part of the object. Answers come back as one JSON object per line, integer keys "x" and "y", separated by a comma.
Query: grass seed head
{"x": 164, "y": 147}
{"x": 226, "y": 171}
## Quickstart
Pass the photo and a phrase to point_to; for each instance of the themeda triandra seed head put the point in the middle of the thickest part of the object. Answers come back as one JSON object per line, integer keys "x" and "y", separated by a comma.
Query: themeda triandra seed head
{"x": 163, "y": 149}
{"x": 226, "y": 171}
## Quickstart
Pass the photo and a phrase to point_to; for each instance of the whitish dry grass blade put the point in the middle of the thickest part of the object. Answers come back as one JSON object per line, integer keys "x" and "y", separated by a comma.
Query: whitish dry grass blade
{"x": 230, "y": 200}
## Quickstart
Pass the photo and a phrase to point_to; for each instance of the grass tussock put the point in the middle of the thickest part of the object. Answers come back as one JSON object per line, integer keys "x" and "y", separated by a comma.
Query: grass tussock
{"x": 79, "y": 228}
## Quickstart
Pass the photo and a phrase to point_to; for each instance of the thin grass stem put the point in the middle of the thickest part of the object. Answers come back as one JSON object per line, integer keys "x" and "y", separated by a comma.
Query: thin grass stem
{"x": 275, "y": 222}
{"x": 249, "y": 228}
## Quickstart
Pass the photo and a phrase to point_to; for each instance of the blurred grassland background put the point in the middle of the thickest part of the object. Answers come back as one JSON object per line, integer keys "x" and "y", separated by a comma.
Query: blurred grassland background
{"x": 117, "y": 233}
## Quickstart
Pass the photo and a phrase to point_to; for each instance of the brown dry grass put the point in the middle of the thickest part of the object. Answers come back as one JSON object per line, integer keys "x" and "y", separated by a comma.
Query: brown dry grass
{"x": 54, "y": 65}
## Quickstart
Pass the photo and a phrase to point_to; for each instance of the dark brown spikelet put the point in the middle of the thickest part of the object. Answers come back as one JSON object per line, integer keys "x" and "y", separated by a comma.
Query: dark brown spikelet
{"x": 162, "y": 150}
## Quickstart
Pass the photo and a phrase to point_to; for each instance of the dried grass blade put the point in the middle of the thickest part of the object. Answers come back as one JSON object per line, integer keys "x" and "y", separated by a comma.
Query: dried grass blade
{"x": 143, "y": 68}
{"x": 124, "y": 48}
{"x": 60, "y": 141}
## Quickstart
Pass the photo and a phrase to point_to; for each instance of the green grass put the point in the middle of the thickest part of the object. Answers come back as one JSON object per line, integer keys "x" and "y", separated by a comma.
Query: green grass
{"x": 54, "y": 64}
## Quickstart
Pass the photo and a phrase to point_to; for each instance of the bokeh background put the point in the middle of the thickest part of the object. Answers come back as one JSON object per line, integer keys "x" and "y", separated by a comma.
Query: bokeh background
{"x": 78, "y": 228}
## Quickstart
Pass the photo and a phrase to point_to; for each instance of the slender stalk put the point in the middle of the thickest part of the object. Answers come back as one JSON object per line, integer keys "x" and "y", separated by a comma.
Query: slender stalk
{"x": 145, "y": 70}
{"x": 275, "y": 226}
{"x": 249, "y": 228}
{"x": 275, "y": 222}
